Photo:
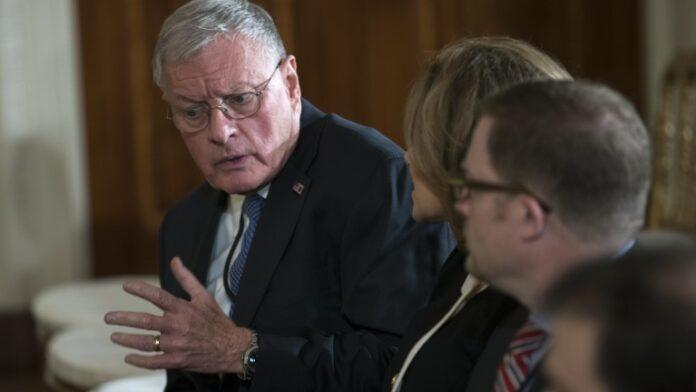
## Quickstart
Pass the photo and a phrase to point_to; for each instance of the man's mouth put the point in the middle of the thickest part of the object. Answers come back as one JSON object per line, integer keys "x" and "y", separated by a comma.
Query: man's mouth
{"x": 232, "y": 162}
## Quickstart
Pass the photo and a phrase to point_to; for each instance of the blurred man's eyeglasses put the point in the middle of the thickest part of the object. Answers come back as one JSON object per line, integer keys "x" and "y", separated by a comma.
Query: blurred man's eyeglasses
{"x": 236, "y": 106}
{"x": 463, "y": 187}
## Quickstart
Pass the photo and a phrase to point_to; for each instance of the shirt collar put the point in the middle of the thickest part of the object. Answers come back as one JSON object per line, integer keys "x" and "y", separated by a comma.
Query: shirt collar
{"x": 236, "y": 200}
{"x": 543, "y": 320}
{"x": 625, "y": 248}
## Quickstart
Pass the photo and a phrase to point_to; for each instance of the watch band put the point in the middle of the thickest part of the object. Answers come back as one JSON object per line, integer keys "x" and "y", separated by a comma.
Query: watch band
{"x": 249, "y": 358}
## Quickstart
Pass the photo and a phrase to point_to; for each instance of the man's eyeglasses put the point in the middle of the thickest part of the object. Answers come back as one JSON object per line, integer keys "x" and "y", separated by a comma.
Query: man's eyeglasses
{"x": 462, "y": 188}
{"x": 236, "y": 106}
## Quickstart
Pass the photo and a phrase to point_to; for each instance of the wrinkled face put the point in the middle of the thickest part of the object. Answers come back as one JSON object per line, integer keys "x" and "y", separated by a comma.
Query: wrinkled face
{"x": 488, "y": 237}
{"x": 571, "y": 364}
{"x": 237, "y": 156}
{"x": 426, "y": 206}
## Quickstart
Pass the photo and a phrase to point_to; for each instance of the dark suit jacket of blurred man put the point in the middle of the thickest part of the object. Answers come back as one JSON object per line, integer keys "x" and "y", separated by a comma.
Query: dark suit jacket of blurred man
{"x": 486, "y": 368}
{"x": 335, "y": 269}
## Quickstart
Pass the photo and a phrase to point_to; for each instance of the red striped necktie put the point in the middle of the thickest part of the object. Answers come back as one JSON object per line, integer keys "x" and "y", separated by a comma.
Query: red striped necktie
{"x": 516, "y": 362}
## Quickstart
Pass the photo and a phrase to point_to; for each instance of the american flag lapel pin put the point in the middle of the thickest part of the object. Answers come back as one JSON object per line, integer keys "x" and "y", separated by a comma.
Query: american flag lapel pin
{"x": 298, "y": 188}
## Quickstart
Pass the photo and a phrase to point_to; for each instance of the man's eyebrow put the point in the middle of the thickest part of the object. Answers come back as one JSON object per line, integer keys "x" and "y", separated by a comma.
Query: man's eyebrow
{"x": 187, "y": 99}
{"x": 236, "y": 89}
{"x": 241, "y": 88}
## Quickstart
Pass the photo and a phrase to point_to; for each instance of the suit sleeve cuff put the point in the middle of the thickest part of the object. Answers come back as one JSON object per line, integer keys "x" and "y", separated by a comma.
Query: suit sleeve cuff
{"x": 277, "y": 364}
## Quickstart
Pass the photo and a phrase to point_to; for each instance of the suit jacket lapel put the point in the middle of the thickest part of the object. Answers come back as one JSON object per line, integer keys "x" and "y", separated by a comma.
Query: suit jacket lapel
{"x": 279, "y": 217}
{"x": 273, "y": 232}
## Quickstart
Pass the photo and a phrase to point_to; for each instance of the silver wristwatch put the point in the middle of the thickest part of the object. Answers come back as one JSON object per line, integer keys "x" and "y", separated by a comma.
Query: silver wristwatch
{"x": 249, "y": 358}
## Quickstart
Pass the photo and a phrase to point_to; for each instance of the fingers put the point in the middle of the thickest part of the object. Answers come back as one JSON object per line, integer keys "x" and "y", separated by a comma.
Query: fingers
{"x": 186, "y": 279}
{"x": 150, "y": 293}
{"x": 162, "y": 361}
{"x": 137, "y": 320}
{"x": 136, "y": 341}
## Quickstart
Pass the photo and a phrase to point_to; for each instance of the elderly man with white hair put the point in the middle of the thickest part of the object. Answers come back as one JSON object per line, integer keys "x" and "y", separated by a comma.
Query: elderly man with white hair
{"x": 297, "y": 264}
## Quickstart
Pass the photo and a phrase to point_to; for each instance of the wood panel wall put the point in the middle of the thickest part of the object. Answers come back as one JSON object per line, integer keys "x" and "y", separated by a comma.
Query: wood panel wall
{"x": 355, "y": 57}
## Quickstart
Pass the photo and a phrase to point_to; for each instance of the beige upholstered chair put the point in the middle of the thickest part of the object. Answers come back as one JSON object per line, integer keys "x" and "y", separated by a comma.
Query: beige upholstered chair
{"x": 673, "y": 198}
{"x": 70, "y": 321}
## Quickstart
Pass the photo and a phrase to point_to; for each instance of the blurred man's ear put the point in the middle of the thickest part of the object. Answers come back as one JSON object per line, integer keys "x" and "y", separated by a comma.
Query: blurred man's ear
{"x": 531, "y": 217}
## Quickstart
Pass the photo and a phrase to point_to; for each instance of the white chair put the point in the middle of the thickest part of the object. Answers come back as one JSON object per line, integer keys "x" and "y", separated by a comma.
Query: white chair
{"x": 85, "y": 303}
{"x": 152, "y": 383}
{"x": 82, "y": 358}
{"x": 70, "y": 317}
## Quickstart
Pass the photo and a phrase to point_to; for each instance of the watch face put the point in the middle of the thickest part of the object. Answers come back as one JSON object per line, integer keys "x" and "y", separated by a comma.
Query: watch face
{"x": 249, "y": 359}
{"x": 251, "y": 362}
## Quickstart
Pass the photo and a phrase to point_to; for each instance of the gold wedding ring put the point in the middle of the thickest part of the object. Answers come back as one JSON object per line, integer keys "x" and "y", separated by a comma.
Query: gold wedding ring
{"x": 157, "y": 343}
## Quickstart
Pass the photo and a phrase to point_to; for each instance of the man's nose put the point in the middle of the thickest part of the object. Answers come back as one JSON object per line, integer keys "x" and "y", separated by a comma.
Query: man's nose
{"x": 221, "y": 127}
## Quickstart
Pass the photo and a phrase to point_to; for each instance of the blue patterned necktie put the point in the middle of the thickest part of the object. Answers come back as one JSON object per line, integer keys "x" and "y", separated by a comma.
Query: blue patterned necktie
{"x": 253, "y": 205}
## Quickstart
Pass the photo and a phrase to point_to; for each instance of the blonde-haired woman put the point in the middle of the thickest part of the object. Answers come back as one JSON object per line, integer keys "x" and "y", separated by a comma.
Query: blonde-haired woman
{"x": 443, "y": 340}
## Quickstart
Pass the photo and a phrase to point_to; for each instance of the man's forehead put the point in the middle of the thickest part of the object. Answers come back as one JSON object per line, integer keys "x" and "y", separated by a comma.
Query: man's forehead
{"x": 230, "y": 61}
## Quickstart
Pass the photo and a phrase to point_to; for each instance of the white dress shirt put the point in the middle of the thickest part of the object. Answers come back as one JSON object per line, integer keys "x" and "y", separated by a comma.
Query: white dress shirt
{"x": 226, "y": 233}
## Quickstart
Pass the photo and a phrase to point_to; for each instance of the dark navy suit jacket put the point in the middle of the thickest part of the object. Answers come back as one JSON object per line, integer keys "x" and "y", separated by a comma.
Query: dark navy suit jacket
{"x": 334, "y": 272}
{"x": 446, "y": 360}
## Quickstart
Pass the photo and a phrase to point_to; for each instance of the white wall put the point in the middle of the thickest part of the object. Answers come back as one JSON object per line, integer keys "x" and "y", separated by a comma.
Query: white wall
{"x": 670, "y": 27}
{"x": 43, "y": 203}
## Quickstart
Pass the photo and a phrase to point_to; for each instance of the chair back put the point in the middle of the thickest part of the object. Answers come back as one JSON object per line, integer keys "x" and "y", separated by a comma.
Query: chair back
{"x": 673, "y": 196}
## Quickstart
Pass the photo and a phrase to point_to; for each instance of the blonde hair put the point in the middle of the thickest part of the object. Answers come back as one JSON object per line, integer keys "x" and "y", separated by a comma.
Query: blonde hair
{"x": 441, "y": 106}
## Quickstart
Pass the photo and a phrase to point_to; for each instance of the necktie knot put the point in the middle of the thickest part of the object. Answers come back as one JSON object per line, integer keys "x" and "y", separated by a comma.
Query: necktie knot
{"x": 253, "y": 204}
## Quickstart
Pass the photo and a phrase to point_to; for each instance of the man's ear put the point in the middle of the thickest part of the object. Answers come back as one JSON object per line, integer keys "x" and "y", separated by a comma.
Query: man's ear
{"x": 292, "y": 80}
{"x": 531, "y": 218}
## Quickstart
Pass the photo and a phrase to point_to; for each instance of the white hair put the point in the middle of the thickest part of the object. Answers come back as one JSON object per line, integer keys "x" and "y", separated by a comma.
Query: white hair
{"x": 199, "y": 22}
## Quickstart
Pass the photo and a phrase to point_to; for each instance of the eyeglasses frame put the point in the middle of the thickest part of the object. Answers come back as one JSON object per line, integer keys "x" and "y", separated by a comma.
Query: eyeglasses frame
{"x": 257, "y": 91}
{"x": 458, "y": 184}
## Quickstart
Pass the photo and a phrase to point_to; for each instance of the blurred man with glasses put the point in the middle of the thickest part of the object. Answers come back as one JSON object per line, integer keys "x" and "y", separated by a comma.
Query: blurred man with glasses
{"x": 557, "y": 173}
{"x": 296, "y": 265}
